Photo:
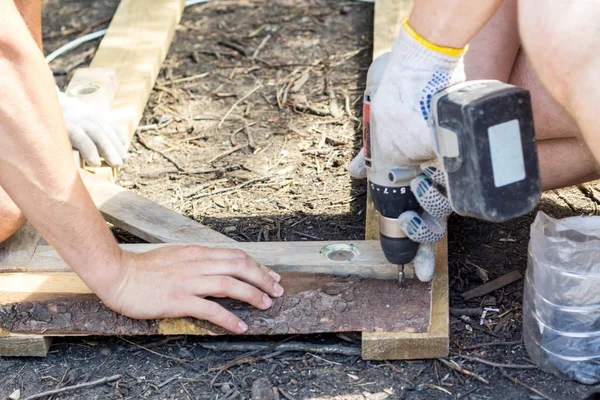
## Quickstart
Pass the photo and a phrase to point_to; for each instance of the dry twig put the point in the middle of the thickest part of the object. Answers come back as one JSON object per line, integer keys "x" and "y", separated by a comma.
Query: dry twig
{"x": 477, "y": 346}
{"x": 284, "y": 347}
{"x": 74, "y": 387}
{"x": 453, "y": 365}
{"x": 518, "y": 382}
{"x": 225, "y": 153}
{"x": 147, "y": 145}
{"x": 236, "y": 104}
{"x": 497, "y": 365}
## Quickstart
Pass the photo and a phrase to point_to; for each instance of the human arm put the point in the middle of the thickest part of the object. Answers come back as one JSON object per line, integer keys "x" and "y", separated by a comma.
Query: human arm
{"x": 38, "y": 173}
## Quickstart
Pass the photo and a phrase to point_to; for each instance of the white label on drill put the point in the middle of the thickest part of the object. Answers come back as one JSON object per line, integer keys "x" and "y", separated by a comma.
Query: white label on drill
{"x": 506, "y": 150}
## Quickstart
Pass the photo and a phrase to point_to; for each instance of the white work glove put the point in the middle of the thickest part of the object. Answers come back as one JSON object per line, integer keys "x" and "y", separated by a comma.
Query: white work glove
{"x": 401, "y": 108}
{"x": 92, "y": 132}
{"x": 429, "y": 226}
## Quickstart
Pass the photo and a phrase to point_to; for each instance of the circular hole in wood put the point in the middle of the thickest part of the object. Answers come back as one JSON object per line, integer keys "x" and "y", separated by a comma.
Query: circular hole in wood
{"x": 85, "y": 89}
{"x": 340, "y": 252}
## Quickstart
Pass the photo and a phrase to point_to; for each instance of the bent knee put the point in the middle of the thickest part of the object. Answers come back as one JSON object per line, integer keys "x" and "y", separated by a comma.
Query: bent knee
{"x": 11, "y": 219}
{"x": 559, "y": 38}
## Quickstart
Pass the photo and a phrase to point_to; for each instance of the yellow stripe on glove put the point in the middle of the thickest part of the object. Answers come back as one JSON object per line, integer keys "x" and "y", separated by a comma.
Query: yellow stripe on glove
{"x": 449, "y": 51}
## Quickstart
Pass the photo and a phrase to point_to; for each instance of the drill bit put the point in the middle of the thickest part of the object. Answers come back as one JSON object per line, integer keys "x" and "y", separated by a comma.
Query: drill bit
{"x": 401, "y": 274}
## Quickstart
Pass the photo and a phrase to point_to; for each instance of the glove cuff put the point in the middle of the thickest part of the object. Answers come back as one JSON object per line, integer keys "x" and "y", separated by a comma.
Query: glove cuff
{"x": 413, "y": 52}
{"x": 449, "y": 51}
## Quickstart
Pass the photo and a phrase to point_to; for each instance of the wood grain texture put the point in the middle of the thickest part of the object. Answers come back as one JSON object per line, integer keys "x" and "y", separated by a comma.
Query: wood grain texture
{"x": 389, "y": 345}
{"x": 281, "y": 256}
{"x": 144, "y": 218}
{"x": 311, "y": 304}
{"x": 17, "y": 251}
{"x": 136, "y": 44}
{"x": 24, "y": 346}
{"x": 431, "y": 344}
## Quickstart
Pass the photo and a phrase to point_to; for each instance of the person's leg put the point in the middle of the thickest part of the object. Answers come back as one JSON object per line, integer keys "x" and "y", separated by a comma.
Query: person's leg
{"x": 564, "y": 159}
{"x": 493, "y": 51}
{"x": 31, "y": 11}
{"x": 562, "y": 41}
{"x": 11, "y": 218}
{"x": 494, "y": 54}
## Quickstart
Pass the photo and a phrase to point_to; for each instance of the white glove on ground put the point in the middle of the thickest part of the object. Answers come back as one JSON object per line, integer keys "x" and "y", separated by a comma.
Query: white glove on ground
{"x": 93, "y": 132}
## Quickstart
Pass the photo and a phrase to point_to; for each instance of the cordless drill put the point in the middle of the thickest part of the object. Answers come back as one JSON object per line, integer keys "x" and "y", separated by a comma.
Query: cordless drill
{"x": 485, "y": 140}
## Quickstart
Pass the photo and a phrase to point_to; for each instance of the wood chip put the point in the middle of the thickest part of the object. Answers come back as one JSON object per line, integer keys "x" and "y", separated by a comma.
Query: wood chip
{"x": 491, "y": 286}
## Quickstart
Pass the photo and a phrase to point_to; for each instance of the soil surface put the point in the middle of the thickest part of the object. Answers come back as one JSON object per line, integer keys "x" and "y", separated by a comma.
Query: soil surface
{"x": 289, "y": 76}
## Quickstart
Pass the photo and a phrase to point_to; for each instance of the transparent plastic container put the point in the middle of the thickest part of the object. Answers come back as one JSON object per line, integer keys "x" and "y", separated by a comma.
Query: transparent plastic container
{"x": 561, "y": 303}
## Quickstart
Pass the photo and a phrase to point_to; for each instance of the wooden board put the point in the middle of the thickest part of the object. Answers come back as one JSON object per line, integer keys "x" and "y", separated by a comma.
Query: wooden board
{"x": 61, "y": 304}
{"x": 127, "y": 62}
{"x": 389, "y": 345}
{"x": 282, "y": 256}
{"x": 136, "y": 44}
{"x": 24, "y": 345}
{"x": 19, "y": 248}
{"x": 17, "y": 252}
{"x": 144, "y": 218}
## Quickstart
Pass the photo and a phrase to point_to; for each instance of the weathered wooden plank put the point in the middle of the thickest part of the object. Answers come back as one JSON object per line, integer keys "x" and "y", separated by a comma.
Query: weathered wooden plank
{"x": 281, "y": 256}
{"x": 60, "y": 304}
{"x": 19, "y": 248}
{"x": 24, "y": 345}
{"x": 136, "y": 44}
{"x": 144, "y": 218}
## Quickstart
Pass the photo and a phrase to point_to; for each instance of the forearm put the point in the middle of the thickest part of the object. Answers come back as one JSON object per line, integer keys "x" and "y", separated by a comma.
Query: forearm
{"x": 451, "y": 23}
{"x": 36, "y": 165}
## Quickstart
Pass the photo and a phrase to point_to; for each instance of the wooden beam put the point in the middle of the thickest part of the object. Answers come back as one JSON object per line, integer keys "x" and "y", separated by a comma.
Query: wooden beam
{"x": 136, "y": 44}
{"x": 127, "y": 62}
{"x": 281, "y": 256}
{"x": 24, "y": 345}
{"x": 60, "y": 304}
{"x": 389, "y": 345}
{"x": 144, "y": 218}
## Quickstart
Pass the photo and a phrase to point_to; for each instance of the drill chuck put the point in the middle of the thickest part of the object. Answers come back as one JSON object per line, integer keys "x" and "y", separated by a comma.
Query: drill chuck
{"x": 397, "y": 247}
{"x": 390, "y": 202}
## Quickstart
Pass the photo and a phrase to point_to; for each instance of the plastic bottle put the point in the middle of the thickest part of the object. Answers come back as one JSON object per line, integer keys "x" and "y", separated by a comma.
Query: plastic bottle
{"x": 561, "y": 304}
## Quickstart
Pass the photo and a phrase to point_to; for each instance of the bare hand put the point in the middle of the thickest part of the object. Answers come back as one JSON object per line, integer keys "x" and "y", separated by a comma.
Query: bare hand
{"x": 172, "y": 281}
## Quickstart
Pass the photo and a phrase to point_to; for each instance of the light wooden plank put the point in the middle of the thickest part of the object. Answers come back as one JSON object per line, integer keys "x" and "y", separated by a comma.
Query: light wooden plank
{"x": 136, "y": 44}
{"x": 144, "y": 218}
{"x": 399, "y": 345}
{"x": 281, "y": 256}
{"x": 24, "y": 345}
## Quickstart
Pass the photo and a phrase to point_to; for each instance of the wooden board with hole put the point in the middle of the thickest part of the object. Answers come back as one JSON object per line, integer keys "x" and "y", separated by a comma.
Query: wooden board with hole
{"x": 330, "y": 287}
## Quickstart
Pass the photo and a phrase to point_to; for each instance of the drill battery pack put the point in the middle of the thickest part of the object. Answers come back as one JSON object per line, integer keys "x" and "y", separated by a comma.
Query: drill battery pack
{"x": 485, "y": 138}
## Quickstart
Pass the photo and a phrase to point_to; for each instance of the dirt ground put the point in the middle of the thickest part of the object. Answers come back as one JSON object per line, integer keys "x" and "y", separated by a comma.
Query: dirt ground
{"x": 297, "y": 69}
